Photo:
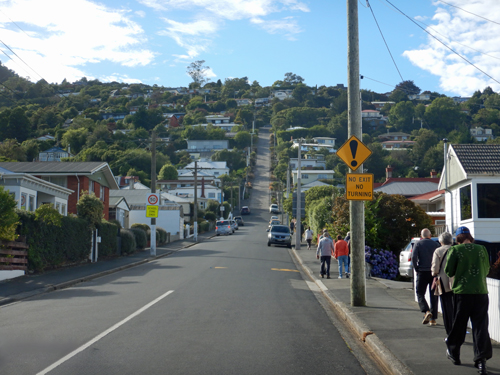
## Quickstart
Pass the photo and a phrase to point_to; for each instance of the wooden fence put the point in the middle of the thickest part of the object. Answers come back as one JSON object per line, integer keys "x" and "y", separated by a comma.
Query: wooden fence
{"x": 13, "y": 255}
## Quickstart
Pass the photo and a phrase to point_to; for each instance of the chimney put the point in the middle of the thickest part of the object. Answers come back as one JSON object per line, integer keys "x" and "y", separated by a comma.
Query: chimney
{"x": 388, "y": 172}
{"x": 434, "y": 173}
{"x": 202, "y": 187}
{"x": 131, "y": 182}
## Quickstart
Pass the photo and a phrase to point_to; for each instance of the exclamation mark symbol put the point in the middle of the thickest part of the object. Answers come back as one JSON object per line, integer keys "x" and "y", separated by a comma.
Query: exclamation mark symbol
{"x": 354, "y": 147}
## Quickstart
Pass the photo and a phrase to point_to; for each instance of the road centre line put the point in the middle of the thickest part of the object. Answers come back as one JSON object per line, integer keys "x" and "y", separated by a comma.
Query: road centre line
{"x": 100, "y": 336}
{"x": 284, "y": 269}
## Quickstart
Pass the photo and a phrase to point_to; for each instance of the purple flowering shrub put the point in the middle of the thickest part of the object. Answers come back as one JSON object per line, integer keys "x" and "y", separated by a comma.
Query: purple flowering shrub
{"x": 384, "y": 263}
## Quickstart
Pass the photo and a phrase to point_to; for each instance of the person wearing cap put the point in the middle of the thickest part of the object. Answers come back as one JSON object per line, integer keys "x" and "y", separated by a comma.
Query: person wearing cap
{"x": 421, "y": 259}
{"x": 469, "y": 264}
{"x": 325, "y": 250}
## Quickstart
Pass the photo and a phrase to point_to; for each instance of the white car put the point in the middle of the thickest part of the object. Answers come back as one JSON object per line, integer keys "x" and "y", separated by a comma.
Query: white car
{"x": 274, "y": 209}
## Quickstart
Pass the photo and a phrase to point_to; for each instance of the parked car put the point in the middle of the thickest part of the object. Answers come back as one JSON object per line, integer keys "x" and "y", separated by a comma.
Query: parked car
{"x": 405, "y": 264}
{"x": 223, "y": 227}
{"x": 273, "y": 223}
{"x": 274, "y": 218}
{"x": 234, "y": 224}
{"x": 245, "y": 210}
{"x": 279, "y": 235}
{"x": 240, "y": 221}
{"x": 274, "y": 209}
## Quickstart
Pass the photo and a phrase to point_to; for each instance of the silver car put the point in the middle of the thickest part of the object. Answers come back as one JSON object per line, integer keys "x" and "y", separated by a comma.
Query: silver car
{"x": 223, "y": 227}
{"x": 234, "y": 224}
{"x": 405, "y": 264}
{"x": 279, "y": 235}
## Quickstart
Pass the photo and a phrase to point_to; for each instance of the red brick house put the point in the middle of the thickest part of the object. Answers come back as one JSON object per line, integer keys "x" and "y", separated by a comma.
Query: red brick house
{"x": 96, "y": 177}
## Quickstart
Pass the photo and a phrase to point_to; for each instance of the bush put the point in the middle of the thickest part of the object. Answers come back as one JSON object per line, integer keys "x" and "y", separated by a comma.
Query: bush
{"x": 141, "y": 238}
{"x": 52, "y": 246}
{"x": 144, "y": 227}
{"x": 108, "y": 233}
{"x": 384, "y": 263}
{"x": 128, "y": 241}
{"x": 8, "y": 217}
{"x": 210, "y": 216}
{"x": 162, "y": 235}
{"x": 116, "y": 222}
{"x": 90, "y": 208}
{"x": 204, "y": 226}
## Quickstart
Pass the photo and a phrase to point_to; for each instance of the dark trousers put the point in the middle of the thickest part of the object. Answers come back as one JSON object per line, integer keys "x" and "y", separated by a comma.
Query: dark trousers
{"x": 424, "y": 282}
{"x": 475, "y": 308}
{"x": 325, "y": 261}
{"x": 447, "y": 308}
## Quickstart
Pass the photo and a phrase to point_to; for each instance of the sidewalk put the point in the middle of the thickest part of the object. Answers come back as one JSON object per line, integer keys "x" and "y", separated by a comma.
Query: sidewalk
{"x": 392, "y": 323}
{"x": 30, "y": 285}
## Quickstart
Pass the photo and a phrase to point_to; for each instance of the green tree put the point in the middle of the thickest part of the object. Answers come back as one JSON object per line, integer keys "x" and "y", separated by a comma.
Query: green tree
{"x": 168, "y": 172}
{"x": 401, "y": 116}
{"x": 301, "y": 92}
{"x": 242, "y": 139}
{"x": 292, "y": 79}
{"x": 425, "y": 140}
{"x": 198, "y": 72}
{"x": 408, "y": 87}
{"x": 8, "y": 217}
{"x": 443, "y": 115}
{"x": 11, "y": 150}
{"x": 76, "y": 138}
{"x": 90, "y": 208}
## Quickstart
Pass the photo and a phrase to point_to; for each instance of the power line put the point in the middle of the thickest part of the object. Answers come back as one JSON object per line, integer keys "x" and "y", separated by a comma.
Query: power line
{"x": 10, "y": 49}
{"x": 14, "y": 23}
{"x": 375, "y": 18}
{"x": 451, "y": 49}
{"x": 466, "y": 11}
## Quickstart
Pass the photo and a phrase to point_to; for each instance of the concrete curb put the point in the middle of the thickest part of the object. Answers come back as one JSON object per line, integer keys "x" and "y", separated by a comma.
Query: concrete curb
{"x": 67, "y": 284}
{"x": 385, "y": 358}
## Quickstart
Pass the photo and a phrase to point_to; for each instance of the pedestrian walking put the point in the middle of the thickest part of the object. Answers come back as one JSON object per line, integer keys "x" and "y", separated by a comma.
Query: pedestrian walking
{"x": 442, "y": 281}
{"x": 309, "y": 237}
{"x": 325, "y": 250}
{"x": 341, "y": 253}
{"x": 348, "y": 240}
{"x": 469, "y": 264}
{"x": 422, "y": 260}
{"x": 292, "y": 226}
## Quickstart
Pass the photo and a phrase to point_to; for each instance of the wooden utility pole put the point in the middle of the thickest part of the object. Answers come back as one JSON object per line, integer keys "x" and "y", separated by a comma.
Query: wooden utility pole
{"x": 356, "y": 208}
{"x": 299, "y": 203}
{"x": 195, "y": 220}
{"x": 153, "y": 190}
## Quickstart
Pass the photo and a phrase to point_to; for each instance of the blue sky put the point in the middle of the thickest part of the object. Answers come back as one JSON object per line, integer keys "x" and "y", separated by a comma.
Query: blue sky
{"x": 153, "y": 41}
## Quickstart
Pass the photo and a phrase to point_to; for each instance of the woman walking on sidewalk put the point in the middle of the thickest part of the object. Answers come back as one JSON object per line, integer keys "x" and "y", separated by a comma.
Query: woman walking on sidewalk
{"x": 341, "y": 253}
{"x": 443, "y": 282}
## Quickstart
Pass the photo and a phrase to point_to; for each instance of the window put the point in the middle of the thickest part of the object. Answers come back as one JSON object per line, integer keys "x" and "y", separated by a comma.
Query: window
{"x": 322, "y": 176}
{"x": 63, "y": 210}
{"x": 58, "y": 207}
{"x": 211, "y": 195}
{"x": 91, "y": 186}
{"x": 31, "y": 206}
{"x": 101, "y": 193}
{"x": 305, "y": 176}
{"x": 24, "y": 198}
{"x": 488, "y": 206}
{"x": 465, "y": 203}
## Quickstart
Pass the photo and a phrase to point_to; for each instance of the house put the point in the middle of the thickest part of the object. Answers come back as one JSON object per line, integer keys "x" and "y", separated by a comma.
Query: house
{"x": 115, "y": 116}
{"x": 407, "y": 186}
{"x": 316, "y": 146}
{"x": 396, "y": 141}
{"x": 243, "y": 101}
{"x": 308, "y": 176}
{"x": 212, "y": 168}
{"x": 419, "y": 97}
{"x": 227, "y": 127}
{"x": 394, "y": 136}
{"x": 53, "y": 154}
{"x": 31, "y": 192}
{"x": 217, "y": 119}
{"x": 380, "y": 105}
{"x": 207, "y": 145}
{"x": 46, "y": 137}
{"x": 373, "y": 118}
{"x": 310, "y": 185}
{"x": 460, "y": 99}
{"x": 481, "y": 134}
{"x": 261, "y": 101}
{"x": 119, "y": 210}
{"x": 370, "y": 113}
{"x": 282, "y": 94}
{"x": 170, "y": 214}
{"x": 204, "y": 193}
{"x": 471, "y": 179}
{"x": 434, "y": 205}
{"x": 309, "y": 162}
{"x": 325, "y": 141}
{"x": 94, "y": 177}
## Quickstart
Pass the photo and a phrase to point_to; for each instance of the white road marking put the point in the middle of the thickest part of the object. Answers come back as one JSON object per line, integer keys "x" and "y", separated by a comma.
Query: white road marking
{"x": 100, "y": 336}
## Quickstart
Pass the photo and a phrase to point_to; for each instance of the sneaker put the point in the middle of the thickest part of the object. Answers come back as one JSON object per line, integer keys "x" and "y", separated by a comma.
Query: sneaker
{"x": 328, "y": 277}
{"x": 427, "y": 317}
{"x": 346, "y": 275}
{"x": 432, "y": 323}
{"x": 340, "y": 277}
{"x": 322, "y": 275}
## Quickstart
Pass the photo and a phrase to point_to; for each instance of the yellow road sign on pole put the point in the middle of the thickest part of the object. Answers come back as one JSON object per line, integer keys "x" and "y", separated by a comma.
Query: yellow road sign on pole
{"x": 354, "y": 152}
{"x": 359, "y": 186}
{"x": 151, "y": 211}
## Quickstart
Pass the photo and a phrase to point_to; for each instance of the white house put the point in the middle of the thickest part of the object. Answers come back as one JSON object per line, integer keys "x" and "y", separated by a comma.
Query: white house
{"x": 53, "y": 154}
{"x": 119, "y": 210}
{"x": 170, "y": 214}
{"x": 481, "y": 134}
{"x": 282, "y": 94}
{"x": 471, "y": 178}
{"x": 227, "y": 127}
{"x": 211, "y": 168}
{"x": 308, "y": 176}
{"x": 204, "y": 194}
{"x": 309, "y": 162}
{"x": 314, "y": 146}
{"x": 207, "y": 145}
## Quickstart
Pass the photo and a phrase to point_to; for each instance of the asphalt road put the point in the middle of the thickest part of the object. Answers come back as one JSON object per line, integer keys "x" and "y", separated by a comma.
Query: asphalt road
{"x": 225, "y": 306}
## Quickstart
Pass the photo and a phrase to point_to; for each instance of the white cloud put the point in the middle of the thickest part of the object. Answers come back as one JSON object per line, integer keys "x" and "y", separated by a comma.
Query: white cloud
{"x": 196, "y": 36}
{"x": 141, "y": 13}
{"x": 116, "y": 77}
{"x": 460, "y": 30}
{"x": 61, "y": 43}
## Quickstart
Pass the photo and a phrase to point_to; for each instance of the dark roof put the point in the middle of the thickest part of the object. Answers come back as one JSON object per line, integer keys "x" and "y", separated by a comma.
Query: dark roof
{"x": 478, "y": 159}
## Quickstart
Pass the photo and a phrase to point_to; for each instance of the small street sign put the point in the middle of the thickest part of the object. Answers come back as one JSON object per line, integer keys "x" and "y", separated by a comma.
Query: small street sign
{"x": 359, "y": 186}
{"x": 151, "y": 211}
{"x": 354, "y": 152}
{"x": 153, "y": 199}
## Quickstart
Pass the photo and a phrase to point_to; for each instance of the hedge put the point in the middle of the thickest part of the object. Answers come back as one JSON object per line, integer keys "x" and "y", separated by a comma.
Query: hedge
{"x": 108, "y": 233}
{"x": 162, "y": 235}
{"x": 141, "y": 238}
{"x": 52, "y": 246}
{"x": 128, "y": 241}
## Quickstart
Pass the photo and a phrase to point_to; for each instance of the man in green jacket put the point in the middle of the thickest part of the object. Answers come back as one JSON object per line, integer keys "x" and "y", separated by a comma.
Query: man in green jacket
{"x": 469, "y": 264}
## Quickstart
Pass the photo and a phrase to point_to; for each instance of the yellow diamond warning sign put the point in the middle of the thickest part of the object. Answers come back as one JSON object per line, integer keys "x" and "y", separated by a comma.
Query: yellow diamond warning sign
{"x": 359, "y": 186}
{"x": 354, "y": 152}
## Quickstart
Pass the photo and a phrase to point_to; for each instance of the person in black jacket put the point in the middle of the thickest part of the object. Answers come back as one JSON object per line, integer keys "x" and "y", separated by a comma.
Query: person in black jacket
{"x": 421, "y": 258}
